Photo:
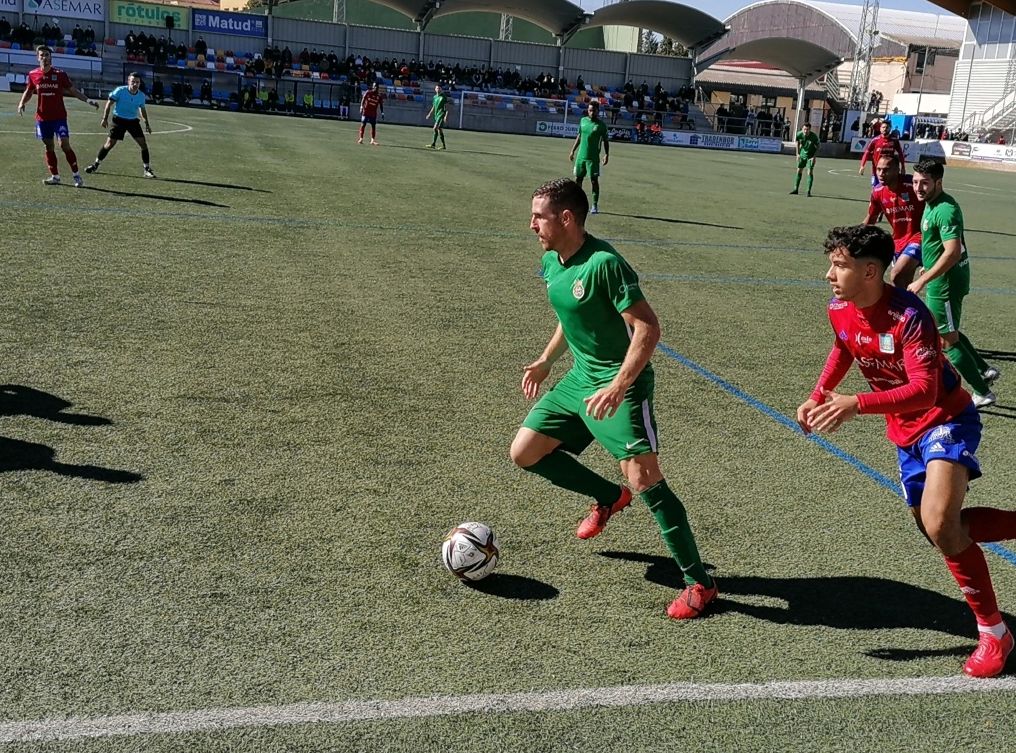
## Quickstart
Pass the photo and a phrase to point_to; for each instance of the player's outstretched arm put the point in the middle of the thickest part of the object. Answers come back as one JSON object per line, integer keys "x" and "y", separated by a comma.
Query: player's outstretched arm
{"x": 73, "y": 91}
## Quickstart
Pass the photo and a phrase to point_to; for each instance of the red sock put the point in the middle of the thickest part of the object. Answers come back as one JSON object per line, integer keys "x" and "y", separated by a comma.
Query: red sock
{"x": 970, "y": 570}
{"x": 72, "y": 160}
{"x": 52, "y": 164}
{"x": 989, "y": 524}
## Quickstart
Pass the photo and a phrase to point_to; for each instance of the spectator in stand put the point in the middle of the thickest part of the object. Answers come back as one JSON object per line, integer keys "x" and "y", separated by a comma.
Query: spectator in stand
{"x": 5, "y": 28}
{"x": 200, "y": 46}
{"x": 205, "y": 95}
{"x": 308, "y": 105}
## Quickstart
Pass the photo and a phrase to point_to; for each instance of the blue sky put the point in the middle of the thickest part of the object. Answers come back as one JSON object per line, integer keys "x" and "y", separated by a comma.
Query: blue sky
{"x": 724, "y": 8}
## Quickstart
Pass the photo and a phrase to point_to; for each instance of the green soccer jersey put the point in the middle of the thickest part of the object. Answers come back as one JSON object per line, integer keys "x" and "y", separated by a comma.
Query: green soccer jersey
{"x": 943, "y": 221}
{"x": 592, "y": 134}
{"x": 588, "y": 293}
{"x": 439, "y": 104}
{"x": 807, "y": 145}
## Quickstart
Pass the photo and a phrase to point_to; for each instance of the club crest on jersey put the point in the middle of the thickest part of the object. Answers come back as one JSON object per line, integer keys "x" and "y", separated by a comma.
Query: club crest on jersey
{"x": 578, "y": 290}
{"x": 886, "y": 344}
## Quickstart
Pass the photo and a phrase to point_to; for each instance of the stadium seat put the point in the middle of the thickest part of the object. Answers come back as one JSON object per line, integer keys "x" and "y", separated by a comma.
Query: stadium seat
{"x": 110, "y": 42}
{"x": 324, "y": 75}
{"x": 15, "y": 46}
{"x": 192, "y": 64}
{"x": 4, "y": 44}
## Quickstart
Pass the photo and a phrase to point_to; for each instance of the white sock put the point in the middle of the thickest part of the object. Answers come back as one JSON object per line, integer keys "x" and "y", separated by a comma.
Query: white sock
{"x": 998, "y": 630}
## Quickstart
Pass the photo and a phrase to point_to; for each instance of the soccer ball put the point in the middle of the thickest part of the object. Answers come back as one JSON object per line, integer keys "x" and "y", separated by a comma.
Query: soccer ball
{"x": 470, "y": 551}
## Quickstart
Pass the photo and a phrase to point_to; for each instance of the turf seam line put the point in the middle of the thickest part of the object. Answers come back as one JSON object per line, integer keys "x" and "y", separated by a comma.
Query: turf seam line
{"x": 858, "y": 465}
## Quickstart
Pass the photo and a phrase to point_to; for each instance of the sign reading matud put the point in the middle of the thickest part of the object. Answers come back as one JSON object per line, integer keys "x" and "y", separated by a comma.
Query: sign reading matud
{"x": 93, "y": 10}
{"x": 147, "y": 14}
{"x": 10, "y": 6}
{"x": 238, "y": 24}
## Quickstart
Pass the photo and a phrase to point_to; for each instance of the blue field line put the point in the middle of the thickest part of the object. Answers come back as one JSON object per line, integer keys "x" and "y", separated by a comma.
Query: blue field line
{"x": 846, "y": 457}
{"x": 770, "y": 281}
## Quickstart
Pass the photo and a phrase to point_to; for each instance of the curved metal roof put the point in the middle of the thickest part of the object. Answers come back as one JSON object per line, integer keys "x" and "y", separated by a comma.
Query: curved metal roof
{"x": 689, "y": 26}
{"x": 559, "y": 17}
{"x": 903, "y": 26}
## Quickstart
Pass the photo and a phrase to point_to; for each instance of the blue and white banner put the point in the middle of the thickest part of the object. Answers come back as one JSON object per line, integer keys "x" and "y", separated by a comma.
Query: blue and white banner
{"x": 92, "y": 10}
{"x": 238, "y": 24}
{"x": 10, "y": 6}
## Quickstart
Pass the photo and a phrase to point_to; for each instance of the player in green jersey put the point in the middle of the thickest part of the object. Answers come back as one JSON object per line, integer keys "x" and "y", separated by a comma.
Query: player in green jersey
{"x": 439, "y": 109}
{"x": 807, "y": 153}
{"x": 945, "y": 280}
{"x": 592, "y": 134}
{"x": 607, "y": 395}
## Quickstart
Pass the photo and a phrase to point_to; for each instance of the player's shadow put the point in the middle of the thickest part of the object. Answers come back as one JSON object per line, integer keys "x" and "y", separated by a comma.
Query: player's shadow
{"x": 838, "y": 198}
{"x": 159, "y": 197}
{"x": 672, "y": 220}
{"x": 193, "y": 183}
{"x": 18, "y": 455}
{"x": 989, "y": 232}
{"x": 456, "y": 151}
{"x": 1002, "y": 411}
{"x": 517, "y": 587}
{"x": 844, "y": 602}
{"x": 18, "y": 400}
{"x": 997, "y": 355}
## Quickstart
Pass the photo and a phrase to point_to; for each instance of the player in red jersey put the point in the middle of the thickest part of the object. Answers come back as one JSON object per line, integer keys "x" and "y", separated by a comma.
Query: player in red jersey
{"x": 884, "y": 143}
{"x": 373, "y": 102}
{"x": 52, "y": 85}
{"x": 893, "y": 338}
{"x": 894, "y": 197}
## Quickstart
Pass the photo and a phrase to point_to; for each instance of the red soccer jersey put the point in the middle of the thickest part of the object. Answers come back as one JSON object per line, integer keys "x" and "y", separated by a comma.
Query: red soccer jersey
{"x": 896, "y": 346}
{"x": 49, "y": 90}
{"x": 371, "y": 102}
{"x": 883, "y": 146}
{"x": 902, "y": 209}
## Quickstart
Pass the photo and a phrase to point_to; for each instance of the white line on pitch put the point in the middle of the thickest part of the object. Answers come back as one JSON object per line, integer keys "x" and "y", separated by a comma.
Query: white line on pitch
{"x": 211, "y": 720}
{"x": 986, "y": 188}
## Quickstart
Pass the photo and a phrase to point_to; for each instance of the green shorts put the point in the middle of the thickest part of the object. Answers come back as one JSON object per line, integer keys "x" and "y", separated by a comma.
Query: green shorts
{"x": 802, "y": 162}
{"x": 584, "y": 167}
{"x": 561, "y": 414}
{"x": 947, "y": 312}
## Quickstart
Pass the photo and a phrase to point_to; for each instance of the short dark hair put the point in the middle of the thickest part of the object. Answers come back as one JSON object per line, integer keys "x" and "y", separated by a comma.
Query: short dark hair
{"x": 894, "y": 159}
{"x": 594, "y": 103}
{"x": 44, "y": 48}
{"x": 932, "y": 168}
{"x": 135, "y": 74}
{"x": 806, "y": 124}
{"x": 564, "y": 193}
{"x": 862, "y": 242}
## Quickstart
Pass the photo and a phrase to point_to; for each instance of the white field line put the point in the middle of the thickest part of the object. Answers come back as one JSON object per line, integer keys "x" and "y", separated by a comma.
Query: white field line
{"x": 29, "y": 131}
{"x": 212, "y": 720}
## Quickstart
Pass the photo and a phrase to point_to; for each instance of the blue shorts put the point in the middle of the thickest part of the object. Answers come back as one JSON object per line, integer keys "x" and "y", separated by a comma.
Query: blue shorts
{"x": 956, "y": 441}
{"x": 913, "y": 250}
{"x": 47, "y": 129}
{"x": 368, "y": 119}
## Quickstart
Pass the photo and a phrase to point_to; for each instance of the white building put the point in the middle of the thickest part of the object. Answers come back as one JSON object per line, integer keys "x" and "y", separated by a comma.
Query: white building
{"x": 983, "y": 96}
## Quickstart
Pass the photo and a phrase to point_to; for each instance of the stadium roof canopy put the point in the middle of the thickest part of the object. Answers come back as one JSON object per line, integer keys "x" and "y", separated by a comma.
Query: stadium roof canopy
{"x": 559, "y": 17}
{"x": 807, "y": 39}
{"x": 689, "y": 26}
{"x": 907, "y": 27}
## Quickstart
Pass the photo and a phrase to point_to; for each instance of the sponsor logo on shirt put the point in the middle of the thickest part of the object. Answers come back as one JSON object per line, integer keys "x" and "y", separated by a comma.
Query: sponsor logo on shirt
{"x": 926, "y": 353}
{"x": 862, "y": 339}
{"x": 937, "y": 447}
{"x": 941, "y": 433}
{"x": 886, "y": 344}
{"x": 578, "y": 290}
{"x": 843, "y": 334}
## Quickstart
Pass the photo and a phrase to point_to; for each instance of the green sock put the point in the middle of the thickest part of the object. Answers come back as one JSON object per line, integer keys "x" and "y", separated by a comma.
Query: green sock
{"x": 442, "y": 137}
{"x": 673, "y": 522}
{"x": 811, "y": 179}
{"x": 797, "y": 183}
{"x": 596, "y": 197}
{"x": 565, "y": 471}
{"x": 981, "y": 363}
{"x": 966, "y": 364}
{"x": 434, "y": 142}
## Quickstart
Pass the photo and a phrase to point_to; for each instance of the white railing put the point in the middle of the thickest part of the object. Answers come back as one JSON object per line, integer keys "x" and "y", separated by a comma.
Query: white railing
{"x": 1002, "y": 108}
